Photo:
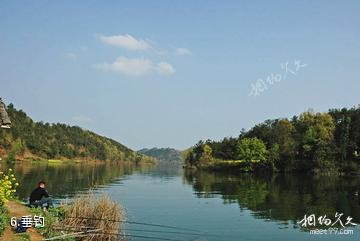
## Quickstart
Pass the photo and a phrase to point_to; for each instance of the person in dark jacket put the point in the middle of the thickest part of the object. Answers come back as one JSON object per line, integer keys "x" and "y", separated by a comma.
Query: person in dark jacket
{"x": 40, "y": 197}
{"x": 4, "y": 118}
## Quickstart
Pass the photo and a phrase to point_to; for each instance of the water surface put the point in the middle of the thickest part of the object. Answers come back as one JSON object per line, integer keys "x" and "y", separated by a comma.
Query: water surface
{"x": 222, "y": 206}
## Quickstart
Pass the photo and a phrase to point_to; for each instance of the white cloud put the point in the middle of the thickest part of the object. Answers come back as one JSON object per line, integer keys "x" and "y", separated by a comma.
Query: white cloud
{"x": 71, "y": 56}
{"x": 136, "y": 67}
{"x": 182, "y": 51}
{"x": 125, "y": 41}
{"x": 164, "y": 68}
{"x": 123, "y": 65}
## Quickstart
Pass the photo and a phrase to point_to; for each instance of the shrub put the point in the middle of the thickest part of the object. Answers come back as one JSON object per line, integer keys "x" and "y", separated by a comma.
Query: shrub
{"x": 8, "y": 186}
{"x": 52, "y": 217}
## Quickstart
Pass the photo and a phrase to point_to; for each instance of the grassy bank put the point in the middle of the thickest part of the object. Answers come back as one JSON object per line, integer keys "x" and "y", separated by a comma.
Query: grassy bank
{"x": 85, "y": 218}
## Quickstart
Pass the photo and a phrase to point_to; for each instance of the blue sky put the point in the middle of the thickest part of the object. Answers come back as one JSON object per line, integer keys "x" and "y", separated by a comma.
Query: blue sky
{"x": 168, "y": 73}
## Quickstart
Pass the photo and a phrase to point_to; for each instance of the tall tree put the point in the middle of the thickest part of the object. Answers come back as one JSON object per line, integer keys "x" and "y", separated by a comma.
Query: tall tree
{"x": 251, "y": 149}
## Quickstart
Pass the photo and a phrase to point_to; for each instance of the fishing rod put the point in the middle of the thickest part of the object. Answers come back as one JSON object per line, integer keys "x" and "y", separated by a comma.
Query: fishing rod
{"x": 125, "y": 229}
{"x": 97, "y": 232}
{"x": 136, "y": 223}
{"x": 85, "y": 233}
{"x": 158, "y": 231}
{"x": 135, "y": 236}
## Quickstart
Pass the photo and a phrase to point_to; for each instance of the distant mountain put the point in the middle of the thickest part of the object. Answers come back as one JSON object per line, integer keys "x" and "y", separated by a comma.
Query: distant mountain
{"x": 163, "y": 154}
{"x": 37, "y": 140}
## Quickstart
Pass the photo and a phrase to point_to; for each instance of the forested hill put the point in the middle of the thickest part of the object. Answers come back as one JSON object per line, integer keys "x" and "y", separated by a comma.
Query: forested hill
{"x": 32, "y": 140}
{"x": 310, "y": 142}
{"x": 164, "y": 154}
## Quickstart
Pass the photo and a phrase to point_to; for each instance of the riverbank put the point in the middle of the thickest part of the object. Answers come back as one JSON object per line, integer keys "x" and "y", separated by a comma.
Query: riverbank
{"x": 66, "y": 221}
{"x": 17, "y": 209}
{"x": 256, "y": 166}
{"x": 29, "y": 157}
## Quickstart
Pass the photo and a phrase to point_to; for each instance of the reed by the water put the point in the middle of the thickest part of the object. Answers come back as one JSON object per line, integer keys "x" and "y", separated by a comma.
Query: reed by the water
{"x": 99, "y": 211}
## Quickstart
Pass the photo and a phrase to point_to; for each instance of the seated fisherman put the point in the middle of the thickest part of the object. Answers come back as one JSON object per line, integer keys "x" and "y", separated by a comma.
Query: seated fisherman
{"x": 40, "y": 197}
{"x": 4, "y": 118}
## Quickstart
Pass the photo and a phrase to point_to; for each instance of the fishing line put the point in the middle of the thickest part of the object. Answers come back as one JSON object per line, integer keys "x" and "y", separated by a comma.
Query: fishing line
{"x": 126, "y": 229}
{"x": 158, "y": 231}
{"x": 85, "y": 233}
{"x": 136, "y": 223}
{"x": 96, "y": 232}
{"x": 135, "y": 236}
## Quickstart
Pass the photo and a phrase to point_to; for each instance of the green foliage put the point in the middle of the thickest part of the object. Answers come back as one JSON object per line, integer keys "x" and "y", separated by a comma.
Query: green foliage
{"x": 318, "y": 135}
{"x": 8, "y": 185}
{"x": 53, "y": 217}
{"x": 283, "y": 136}
{"x": 163, "y": 154}
{"x": 59, "y": 141}
{"x": 206, "y": 155}
{"x": 4, "y": 219}
{"x": 226, "y": 149}
{"x": 309, "y": 142}
{"x": 17, "y": 148}
{"x": 200, "y": 155}
{"x": 250, "y": 149}
{"x": 274, "y": 155}
{"x": 347, "y": 133}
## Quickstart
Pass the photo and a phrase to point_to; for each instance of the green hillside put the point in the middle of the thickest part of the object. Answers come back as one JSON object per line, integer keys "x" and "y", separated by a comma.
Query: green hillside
{"x": 163, "y": 154}
{"x": 37, "y": 140}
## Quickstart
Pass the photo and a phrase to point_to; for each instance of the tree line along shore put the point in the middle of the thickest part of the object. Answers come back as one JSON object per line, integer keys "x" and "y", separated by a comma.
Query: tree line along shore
{"x": 309, "y": 143}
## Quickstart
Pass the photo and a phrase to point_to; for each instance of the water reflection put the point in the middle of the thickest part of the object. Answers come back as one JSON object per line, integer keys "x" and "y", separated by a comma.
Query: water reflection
{"x": 64, "y": 180}
{"x": 281, "y": 198}
{"x": 167, "y": 195}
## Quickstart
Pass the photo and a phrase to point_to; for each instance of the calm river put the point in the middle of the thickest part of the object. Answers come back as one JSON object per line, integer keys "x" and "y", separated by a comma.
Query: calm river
{"x": 221, "y": 207}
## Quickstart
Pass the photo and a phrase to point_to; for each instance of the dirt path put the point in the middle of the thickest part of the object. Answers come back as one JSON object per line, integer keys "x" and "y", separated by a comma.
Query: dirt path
{"x": 17, "y": 210}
